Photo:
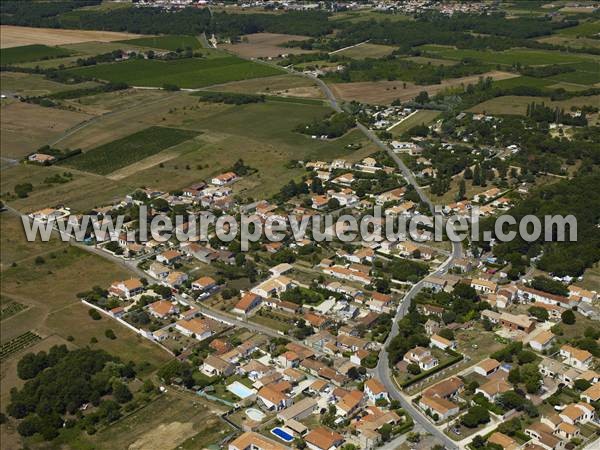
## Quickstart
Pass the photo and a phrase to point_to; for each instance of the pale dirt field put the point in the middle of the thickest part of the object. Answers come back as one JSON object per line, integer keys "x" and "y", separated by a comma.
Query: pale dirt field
{"x": 164, "y": 436}
{"x": 265, "y": 45}
{"x": 383, "y": 92}
{"x": 13, "y": 36}
{"x": 295, "y": 86}
{"x": 26, "y": 127}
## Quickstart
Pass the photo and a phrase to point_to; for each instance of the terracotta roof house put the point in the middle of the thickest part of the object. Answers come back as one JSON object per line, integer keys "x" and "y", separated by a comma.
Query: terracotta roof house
{"x": 323, "y": 438}
{"x": 254, "y": 441}
{"x": 162, "y": 309}
{"x": 248, "y": 303}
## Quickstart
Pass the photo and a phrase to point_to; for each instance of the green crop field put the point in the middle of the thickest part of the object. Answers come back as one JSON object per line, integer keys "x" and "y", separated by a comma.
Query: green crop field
{"x": 34, "y": 52}
{"x": 587, "y": 72}
{"x": 508, "y": 57}
{"x": 171, "y": 42}
{"x": 185, "y": 73}
{"x": 524, "y": 81}
{"x": 587, "y": 29}
{"x": 122, "y": 152}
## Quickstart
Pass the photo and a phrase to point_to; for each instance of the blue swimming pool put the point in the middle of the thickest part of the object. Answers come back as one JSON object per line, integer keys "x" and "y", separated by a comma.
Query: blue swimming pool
{"x": 282, "y": 434}
{"x": 240, "y": 390}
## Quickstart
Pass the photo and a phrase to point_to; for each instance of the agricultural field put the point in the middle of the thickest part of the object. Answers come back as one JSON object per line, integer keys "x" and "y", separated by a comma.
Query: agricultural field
{"x": 360, "y": 16}
{"x": 432, "y": 61}
{"x": 14, "y": 36}
{"x": 46, "y": 278}
{"x": 265, "y": 45}
{"x": 507, "y": 57}
{"x": 571, "y": 41}
{"x": 184, "y": 73}
{"x": 30, "y": 84}
{"x": 589, "y": 28}
{"x": 288, "y": 85}
{"x": 10, "y": 309}
{"x": 81, "y": 193}
{"x": 17, "y": 344}
{"x": 262, "y": 134}
{"x": 171, "y": 42}
{"x": 385, "y": 92}
{"x": 420, "y": 117}
{"x": 523, "y": 81}
{"x": 366, "y": 50}
{"x": 518, "y": 105}
{"x": 26, "y": 127}
{"x": 34, "y": 52}
{"x": 122, "y": 152}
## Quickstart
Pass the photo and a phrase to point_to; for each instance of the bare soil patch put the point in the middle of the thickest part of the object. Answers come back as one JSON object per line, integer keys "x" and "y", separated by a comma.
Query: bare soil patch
{"x": 164, "y": 436}
{"x": 265, "y": 45}
{"x": 383, "y": 92}
{"x": 13, "y": 36}
{"x": 295, "y": 86}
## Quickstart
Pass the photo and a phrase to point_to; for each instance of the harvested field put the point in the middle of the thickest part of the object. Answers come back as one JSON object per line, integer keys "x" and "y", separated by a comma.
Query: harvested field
{"x": 511, "y": 104}
{"x": 366, "y": 50}
{"x": 13, "y": 36}
{"x": 383, "y": 92}
{"x": 291, "y": 85}
{"x": 423, "y": 116}
{"x": 30, "y": 84}
{"x": 265, "y": 45}
{"x": 26, "y": 127}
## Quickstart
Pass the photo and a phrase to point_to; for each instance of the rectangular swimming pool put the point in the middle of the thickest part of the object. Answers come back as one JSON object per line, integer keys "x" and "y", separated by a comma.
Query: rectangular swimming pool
{"x": 241, "y": 391}
{"x": 282, "y": 434}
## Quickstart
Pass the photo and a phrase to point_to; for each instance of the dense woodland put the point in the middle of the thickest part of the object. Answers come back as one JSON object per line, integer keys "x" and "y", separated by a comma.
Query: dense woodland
{"x": 562, "y": 198}
{"x": 190, "y": 21}
{"x": 59, "y": 383}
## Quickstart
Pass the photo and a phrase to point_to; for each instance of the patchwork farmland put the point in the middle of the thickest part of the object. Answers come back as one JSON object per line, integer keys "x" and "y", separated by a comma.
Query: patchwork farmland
{"x": 184, "y": 73}
{"x": 122, "y": 152}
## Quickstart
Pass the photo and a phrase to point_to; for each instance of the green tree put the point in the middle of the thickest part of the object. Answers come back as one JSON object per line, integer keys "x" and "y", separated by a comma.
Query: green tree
{"x": 121, "y": 392}
{"x": 568, "y": 317}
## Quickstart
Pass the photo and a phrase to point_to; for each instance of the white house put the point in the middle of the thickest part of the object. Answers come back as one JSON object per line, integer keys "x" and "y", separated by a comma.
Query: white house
{"x": 374, "y": 390}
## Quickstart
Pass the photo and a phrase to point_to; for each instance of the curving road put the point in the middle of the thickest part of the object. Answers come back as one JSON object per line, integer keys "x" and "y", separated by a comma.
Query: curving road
{"x": 383, "y": 370}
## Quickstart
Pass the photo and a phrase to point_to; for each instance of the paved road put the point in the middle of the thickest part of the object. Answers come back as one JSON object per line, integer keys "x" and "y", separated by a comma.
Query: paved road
{"x": 132, "y": 266}
{"x": 383, "y": 371}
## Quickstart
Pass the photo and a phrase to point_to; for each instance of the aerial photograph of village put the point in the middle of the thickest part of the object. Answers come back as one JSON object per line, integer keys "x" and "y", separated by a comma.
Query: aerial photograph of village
{"x": 300, "y": 224}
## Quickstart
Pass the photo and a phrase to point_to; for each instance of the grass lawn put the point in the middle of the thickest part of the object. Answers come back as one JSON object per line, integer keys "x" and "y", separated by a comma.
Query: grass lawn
{"x": 424, "y": 117}
{"x": 34, "y": 52}
{"x": 122, "y": 152}
{"x": 185, "y": 73}
{"x": 170, "y": 42}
